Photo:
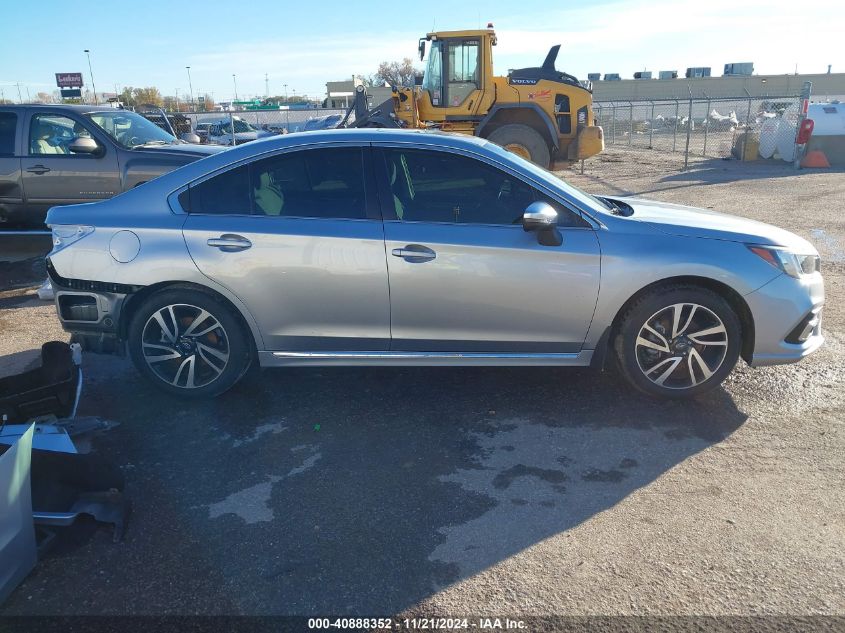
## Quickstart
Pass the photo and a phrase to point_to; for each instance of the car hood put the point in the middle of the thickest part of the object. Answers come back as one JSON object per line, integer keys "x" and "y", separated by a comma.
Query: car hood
{"x": 181, "y": 149}
{"x": 676, "y": 219}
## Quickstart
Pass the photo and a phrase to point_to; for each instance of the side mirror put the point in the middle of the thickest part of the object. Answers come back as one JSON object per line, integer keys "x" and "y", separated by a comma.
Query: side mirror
{"x": 541, "y": 218}
{"x": 84, "y": 145}
{"x": 190, "y": 137}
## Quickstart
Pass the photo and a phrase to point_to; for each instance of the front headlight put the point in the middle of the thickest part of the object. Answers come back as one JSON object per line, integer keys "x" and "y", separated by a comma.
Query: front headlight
{"x": 793, "y": 264}
{"x": 66, "y": 234}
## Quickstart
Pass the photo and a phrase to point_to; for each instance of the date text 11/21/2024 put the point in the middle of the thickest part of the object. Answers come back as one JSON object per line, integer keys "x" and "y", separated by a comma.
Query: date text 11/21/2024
{"x": 421, "y": 623}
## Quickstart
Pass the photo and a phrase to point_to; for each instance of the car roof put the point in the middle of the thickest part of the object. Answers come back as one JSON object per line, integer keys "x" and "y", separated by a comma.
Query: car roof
{"x": 171, "y": 181}
{"x": 81, "y": 109}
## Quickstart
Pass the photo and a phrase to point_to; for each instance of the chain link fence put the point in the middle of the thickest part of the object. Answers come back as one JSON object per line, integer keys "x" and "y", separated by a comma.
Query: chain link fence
{"x": 294, "y": 120}
{"x": 715, "y": 128}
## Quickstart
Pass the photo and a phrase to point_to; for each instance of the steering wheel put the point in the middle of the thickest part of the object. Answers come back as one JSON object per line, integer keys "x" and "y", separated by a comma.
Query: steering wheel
{"x": 133, "y": 140}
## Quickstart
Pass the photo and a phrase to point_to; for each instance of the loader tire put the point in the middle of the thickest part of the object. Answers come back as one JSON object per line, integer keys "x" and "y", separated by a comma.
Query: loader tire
{"x": 523, "y": 141}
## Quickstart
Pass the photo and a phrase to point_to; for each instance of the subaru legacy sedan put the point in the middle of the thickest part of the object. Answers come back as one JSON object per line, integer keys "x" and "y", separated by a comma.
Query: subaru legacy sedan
{"x": 386, "y": 247}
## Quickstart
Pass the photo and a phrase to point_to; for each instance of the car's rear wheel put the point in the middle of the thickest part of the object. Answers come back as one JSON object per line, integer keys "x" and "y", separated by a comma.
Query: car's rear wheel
{"x": 678, "y": 341}
{"x": 188, "y": 343}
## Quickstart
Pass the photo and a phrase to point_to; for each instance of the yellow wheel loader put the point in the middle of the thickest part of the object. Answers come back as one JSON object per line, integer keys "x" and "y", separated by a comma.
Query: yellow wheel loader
{"x": 540, "y": 113}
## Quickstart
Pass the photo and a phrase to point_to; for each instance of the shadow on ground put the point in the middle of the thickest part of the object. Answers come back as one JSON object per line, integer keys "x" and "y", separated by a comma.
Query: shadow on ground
{"x": 355, "y": 490}
{"x": 702, "y": 171}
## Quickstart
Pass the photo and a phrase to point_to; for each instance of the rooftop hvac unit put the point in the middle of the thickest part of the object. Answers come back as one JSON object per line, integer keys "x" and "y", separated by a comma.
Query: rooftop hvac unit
{"x": 643, "y": 74}
{"x": 612, "y": 77}
{"x": 594, "y": 76}
{"x": 701, "y": 71}
{"x": 668, "y": 74}
{"x": 742, "y": 69}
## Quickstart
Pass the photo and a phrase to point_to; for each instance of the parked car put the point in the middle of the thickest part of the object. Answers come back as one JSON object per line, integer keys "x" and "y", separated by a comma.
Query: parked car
{"x": 61, "y": 154}
{"x": 201, "y": 130}
{"x": 220, "y": 131}
{"x": 322, "y": 122}
{"x": 391, "y": 247}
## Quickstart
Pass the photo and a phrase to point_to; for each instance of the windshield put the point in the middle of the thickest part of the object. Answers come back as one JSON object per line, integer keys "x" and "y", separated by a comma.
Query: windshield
{"x": 129, "y": 129}
{"x": 433, "y": 78}
{"x": 589, "y": 201}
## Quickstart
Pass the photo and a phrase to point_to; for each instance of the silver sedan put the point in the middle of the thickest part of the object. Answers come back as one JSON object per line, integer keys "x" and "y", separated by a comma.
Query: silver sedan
{"x": 384, "y": 247}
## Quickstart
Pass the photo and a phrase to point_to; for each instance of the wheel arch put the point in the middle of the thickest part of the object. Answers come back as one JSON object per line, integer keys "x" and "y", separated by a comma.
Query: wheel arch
{"x": 529, "y": 114}
{"x": 137, "y": 299}
{"x": 734, "y": 299}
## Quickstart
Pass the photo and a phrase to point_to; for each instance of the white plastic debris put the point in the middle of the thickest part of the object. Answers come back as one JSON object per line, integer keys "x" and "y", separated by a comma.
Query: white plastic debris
{"x": 45, "y": 292}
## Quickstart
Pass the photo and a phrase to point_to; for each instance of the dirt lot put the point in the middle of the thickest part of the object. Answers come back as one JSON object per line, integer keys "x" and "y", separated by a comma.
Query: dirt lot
{"x": 479, "y": 491}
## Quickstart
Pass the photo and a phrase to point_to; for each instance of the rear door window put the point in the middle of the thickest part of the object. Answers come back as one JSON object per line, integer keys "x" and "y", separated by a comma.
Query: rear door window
{"x": 314, "y": 183}
{"x": 8, "y": 125}
{"x": 224, "y": 194}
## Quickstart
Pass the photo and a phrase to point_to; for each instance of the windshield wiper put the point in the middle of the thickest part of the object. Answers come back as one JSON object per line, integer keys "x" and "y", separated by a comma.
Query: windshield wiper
{"x": 617, "y": 208}
{"x": 150, "y": 143}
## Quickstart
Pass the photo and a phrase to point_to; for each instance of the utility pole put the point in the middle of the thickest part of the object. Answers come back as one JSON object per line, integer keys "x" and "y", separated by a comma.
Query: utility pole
{"x": 91, "y": 72}
{"x": 190, "y": 86}
{"x": 28, "y": 96}
{"x": 235, "y": 82}
{"x": 20, "y": 98}
{"x": 266, "y": 86}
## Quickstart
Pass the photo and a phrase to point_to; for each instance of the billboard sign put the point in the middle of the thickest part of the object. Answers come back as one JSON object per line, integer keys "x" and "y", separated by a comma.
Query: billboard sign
{"x": 71, "y": 93}
{"x": 69, "y": 80}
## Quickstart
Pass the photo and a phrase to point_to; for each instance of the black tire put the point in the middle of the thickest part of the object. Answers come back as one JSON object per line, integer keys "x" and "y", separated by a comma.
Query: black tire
{"x": 643, "y": 364}
{"x": 209, "y": 373}
{"x": 532, "y": 142}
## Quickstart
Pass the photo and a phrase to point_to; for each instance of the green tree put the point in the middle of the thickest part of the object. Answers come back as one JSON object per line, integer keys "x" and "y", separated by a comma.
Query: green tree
{"x": 150, "y": 95}
{"x": 127, "y": 97}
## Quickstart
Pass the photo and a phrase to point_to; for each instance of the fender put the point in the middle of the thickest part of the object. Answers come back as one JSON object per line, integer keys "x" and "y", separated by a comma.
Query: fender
{"x": 509, "y": 106}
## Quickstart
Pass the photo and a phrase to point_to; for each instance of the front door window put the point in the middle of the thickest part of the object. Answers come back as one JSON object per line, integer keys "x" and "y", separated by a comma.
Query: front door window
{"x": 462, "y": 70}
{"x": 51, "y": 134}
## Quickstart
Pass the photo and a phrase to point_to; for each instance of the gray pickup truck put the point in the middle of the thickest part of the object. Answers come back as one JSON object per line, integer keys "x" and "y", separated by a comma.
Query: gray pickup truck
{"x": 63, "y": 154}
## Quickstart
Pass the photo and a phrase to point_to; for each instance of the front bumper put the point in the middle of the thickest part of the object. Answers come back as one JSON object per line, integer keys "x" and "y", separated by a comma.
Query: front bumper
{"x": 90, "y": 311}
{"x": 783, "y": 310}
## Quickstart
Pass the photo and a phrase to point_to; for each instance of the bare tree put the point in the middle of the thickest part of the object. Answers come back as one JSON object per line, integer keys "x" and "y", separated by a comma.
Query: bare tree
{"x": 396, "y": 73}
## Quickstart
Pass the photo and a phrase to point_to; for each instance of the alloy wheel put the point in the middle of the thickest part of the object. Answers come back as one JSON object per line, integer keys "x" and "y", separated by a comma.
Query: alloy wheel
{"x": 185, "y": 346}
{"x": 681, "y": 346}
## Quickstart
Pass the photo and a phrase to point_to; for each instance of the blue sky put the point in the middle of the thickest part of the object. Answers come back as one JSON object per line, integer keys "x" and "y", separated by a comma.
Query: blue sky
{"x": 305, "y": 44}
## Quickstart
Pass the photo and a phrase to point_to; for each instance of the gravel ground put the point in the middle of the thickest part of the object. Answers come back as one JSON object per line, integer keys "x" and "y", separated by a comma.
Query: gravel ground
{"x": 478, "y": 491}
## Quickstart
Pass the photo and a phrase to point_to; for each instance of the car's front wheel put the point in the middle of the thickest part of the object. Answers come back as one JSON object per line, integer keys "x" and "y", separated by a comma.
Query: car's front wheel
{"x": 188, "y": 343}
{"x": 678, "y": 341}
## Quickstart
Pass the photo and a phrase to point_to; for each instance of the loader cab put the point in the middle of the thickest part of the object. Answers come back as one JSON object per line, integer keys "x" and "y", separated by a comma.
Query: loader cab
{"x": 458, "y": 73}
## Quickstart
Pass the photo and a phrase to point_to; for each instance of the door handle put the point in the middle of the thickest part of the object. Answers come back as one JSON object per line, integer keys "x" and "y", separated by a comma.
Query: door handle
{"x": 229, "y": 243}
{"x": 38, "y": 169}
{"x": 414, "y": 253}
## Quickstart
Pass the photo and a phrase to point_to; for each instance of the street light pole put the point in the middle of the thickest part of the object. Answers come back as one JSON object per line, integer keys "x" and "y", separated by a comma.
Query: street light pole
{"x": 266, "y": 87}
{"x": 235, "y": 81}
{"x": 190, "y": 86}
{"x": 91, "y": 72}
